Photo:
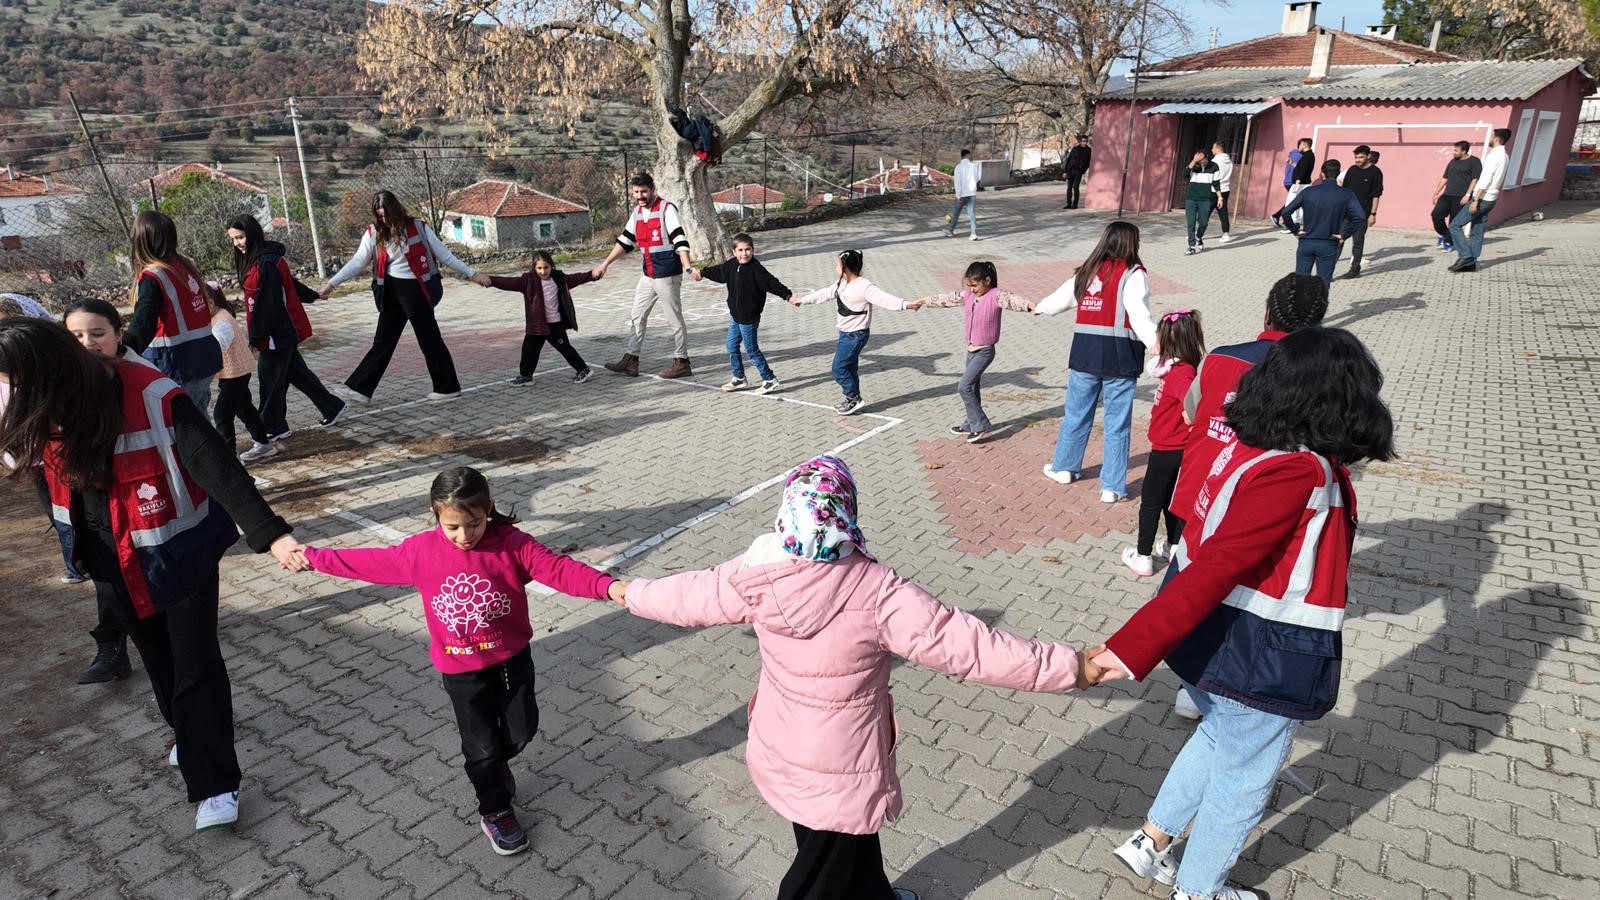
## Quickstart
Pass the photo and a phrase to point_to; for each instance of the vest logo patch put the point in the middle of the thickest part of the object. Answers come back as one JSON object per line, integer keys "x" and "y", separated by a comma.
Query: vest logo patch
{"x": 151, "y": 503}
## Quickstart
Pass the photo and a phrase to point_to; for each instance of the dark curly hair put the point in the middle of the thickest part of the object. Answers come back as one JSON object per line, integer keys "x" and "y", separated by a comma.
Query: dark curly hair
{"x": 1296, "y": 301}
{"x": 1317, "y": 388}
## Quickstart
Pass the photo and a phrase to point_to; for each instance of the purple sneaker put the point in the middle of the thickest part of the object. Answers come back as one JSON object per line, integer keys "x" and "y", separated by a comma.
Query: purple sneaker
{"x": 504, "y": 832}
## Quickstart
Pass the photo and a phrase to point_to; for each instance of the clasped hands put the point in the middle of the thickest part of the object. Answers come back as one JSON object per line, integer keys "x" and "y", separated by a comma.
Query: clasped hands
{"x": 1097, "y": 666}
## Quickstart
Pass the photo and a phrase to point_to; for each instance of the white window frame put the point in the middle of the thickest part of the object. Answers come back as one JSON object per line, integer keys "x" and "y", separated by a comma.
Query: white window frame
{"x": 1554, "y": 118}
{"x": 539, "y": 229}
{"x": 1519, "y": 149}
{"x": 478, "y": 228}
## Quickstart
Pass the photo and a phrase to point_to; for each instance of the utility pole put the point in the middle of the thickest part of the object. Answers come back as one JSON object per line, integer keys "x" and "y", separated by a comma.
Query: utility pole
{"x": 283, "y": 194}
{"x": 850, "y": 188}
{"x": 427, "y": 176}
{"x": 764, "y": 145}
{"x": 305, "y": 183}
{"x": 94, "y": 151}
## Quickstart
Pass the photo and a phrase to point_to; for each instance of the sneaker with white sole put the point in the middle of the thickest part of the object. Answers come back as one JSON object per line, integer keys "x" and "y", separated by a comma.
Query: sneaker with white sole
{"x": 259, "y": 452}
{"x": 73, "y": 578}
{"x": 1226, "y": 238}
{"x": 849, "y": 406}
{"x": 770, "y": 386}
{"x": 437, "y": 395}
{"x": 1162, "y": 549}
{"x": 172, "y": 756}
{"x": 216, "y": 812}
{"x": 351, "y": 394}
{"x": 1142, "y": 566}
{"x": 1228, "y": 892}
{"x": 506, "y": 835}
{"x": 960, "y": 429}
{"x": 1140, "y": 855}
{"x": 330, "y": 421}
{"x": 1059, "y": 476}
{"x": 1184, "y": 707}
{"x": 1109, "y": 496}
{"x": 581, "y": 377}
{"x": 734, "y": 384}
{"x": 976, "y": 437}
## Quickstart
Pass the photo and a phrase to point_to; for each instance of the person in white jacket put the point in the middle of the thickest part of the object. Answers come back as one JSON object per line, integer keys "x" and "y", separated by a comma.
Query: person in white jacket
{"x": 853, "y": 297}
{"x": 1482, "y": 199}
{"x": 966, "y": 175}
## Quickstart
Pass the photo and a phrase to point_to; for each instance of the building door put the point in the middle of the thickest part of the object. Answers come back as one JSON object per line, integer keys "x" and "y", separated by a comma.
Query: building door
{"x": 1199, "y": 132}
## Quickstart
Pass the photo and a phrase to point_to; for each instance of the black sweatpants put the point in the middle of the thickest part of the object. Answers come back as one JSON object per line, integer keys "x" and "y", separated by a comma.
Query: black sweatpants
{"x": 1155, "y": 495}
{"x": 533, "y": 344}
{"x": 1358, "y": 244}
{"x": 234, "y": 402}
{"x": 1445, "y": 209}
{"x": 497, "y": 715}
{"x": 1074, "y": 181}
{"x": 184, "y": 660}
{"x": 1222, "y": 212}
{"x": 830, "y": 865}
{"x": 281, "y": 370}
{"x": 404, "y": 301}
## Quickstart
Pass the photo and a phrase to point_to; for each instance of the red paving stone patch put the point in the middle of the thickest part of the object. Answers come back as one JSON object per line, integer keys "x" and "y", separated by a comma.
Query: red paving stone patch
{"x": 479, "y": 350}
{"x": 994, "y": 496}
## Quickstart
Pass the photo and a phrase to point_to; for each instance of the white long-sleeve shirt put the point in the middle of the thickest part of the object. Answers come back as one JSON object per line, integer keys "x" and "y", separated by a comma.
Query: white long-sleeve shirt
{"x": 1495, "y": 163}
{"x": 966, "y": 176}
{"x": 859, "y": 296}
{"x": 398, "y": 267}
{"x": 1135, "y": 301}
{"x": 1224, "y": 171}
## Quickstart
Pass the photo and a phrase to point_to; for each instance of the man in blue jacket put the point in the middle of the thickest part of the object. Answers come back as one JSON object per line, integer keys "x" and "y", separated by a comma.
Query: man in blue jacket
{"x": 1329, "y": 214}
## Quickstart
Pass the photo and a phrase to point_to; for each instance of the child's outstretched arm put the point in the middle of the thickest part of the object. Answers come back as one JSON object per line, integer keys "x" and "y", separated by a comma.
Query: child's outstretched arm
{"x": 820, "y": 295}
{"x": 374, "y": 565}
{"x": 1014, "y": 302}
{"x": 877, "y": 296}
{"x": 501, "y": 282}
{"x": 691, "y": 599}
{"x": 573, "y": 279}
{"x": 561, "y": 572}
{"x": 912, "y": 623}
{"x": 1061, "y": 300}
{"x": 938, "y": 301}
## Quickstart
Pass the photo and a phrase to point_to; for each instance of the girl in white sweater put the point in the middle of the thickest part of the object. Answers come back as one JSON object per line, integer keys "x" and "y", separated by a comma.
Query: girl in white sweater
{"x": 853, "y": 297}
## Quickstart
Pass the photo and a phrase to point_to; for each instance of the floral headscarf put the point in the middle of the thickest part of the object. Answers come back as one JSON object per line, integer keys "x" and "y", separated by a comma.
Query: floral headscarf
{"x": 818, "y": 516}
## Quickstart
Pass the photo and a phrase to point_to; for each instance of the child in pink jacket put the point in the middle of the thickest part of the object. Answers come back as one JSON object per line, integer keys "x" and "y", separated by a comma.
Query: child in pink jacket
{"x": 830, "y": 619}
{"x": 471, "y": 571}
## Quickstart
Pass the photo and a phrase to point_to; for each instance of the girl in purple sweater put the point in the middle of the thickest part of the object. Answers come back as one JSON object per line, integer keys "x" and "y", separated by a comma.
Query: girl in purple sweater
{"x": 982, "y": 300}
{"x": 471, "y": 571}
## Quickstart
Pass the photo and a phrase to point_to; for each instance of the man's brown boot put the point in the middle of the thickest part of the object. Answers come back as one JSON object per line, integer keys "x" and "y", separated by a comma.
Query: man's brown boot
{"x": 627, "y": 365}
{"x": 678, "y": 369}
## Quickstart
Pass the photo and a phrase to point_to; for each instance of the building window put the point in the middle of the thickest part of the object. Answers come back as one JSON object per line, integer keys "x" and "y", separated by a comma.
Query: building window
{"x": 1519, "y": 148}
{"x": 478, "y": 231}
{"x": 547, "y": 229}
{"x": 1539, "y": 149}
{"x": 46, "y": 214}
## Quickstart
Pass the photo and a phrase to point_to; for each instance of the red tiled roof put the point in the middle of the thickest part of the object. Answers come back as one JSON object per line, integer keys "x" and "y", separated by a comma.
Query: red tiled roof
{"x": 1277, "y": 50}
{"x": 899, "y": 177}
{"x": 499, "y": 199}
{"x": 16, "y": 184}
{"x": 171, "y": 177}
{"x": 753, "y": 194}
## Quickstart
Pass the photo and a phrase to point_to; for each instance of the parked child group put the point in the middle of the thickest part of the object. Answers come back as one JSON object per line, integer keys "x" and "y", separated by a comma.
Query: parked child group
{"x": 1247, "y": 478}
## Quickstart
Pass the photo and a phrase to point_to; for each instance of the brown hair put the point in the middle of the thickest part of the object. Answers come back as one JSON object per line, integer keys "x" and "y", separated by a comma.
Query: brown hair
{"x": 1120, "y": 240}
{"x": 395, "y": 216}
{"x": 464, "y": 487}
{"x": 1179, "y": 336}
{"x": 61, "y": 391}
{"x": 155, "y": 245}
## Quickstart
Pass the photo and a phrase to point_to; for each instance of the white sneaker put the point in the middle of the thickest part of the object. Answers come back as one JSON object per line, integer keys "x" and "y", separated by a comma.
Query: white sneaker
{"x": 217, "y": 812}
{"x": 1107, "y": 496}
{"x": 351, "y": 394}
{"x": 1184, "y": 706}
{"x": 1161, "y": 549}
{"x": 1143, "y": 566}
{"x": 435, "y": 395}
{"x": 770, "y": 387}
{"x": 258, "y": 452}
{"x": 1139, "y": 854}
{"x": 1227, "y": 238}
{"x": 1059, "y": 477}
{"x": 972, "y": 237}
{"x": 172, "y": 756}
{"x": 734, "y": 384}
{"x": 1228, "y": 892}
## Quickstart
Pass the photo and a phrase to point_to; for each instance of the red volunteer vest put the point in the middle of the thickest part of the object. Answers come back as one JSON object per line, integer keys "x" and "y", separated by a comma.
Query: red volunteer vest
{"x": 185, "y": 316}
{"x": 169, "y": 534}
{"x": 291, "y": 298}
{"x": 1104, "y": 342}
{"x": 1219, "y": 379}
{"x": 417, "y": 255}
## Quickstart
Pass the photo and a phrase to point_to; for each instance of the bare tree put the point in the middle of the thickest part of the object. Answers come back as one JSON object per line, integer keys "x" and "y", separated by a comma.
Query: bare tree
{"x": 491, "y": 59}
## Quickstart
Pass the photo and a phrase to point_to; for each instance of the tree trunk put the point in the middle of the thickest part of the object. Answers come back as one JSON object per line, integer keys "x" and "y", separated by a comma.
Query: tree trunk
{"x": 684, "y": 179}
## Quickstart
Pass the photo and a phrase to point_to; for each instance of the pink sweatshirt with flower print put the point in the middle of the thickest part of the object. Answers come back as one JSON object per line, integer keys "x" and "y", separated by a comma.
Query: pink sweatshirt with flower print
{"x": 474, "y": 600}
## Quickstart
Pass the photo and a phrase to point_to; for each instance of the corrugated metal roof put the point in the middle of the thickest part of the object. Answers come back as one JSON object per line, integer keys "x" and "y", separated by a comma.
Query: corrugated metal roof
{"x": 1472, "y": 80}
{"x": 1210, "y": 109}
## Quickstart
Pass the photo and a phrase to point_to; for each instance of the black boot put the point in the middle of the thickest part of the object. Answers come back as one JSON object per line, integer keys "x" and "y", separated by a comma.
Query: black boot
{"x": 110, "y": 663}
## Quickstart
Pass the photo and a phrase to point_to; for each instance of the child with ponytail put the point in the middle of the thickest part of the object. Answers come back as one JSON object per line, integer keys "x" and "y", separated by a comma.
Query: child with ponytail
{"x": 1179, "y": 348}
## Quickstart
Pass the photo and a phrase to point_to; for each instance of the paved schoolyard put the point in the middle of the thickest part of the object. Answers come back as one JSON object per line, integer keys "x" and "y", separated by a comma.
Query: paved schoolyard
{"x": 1460, "y": 762}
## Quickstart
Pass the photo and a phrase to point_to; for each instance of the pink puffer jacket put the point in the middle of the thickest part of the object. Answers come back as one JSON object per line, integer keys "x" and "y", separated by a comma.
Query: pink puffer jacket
{"x": 822, "y": 729}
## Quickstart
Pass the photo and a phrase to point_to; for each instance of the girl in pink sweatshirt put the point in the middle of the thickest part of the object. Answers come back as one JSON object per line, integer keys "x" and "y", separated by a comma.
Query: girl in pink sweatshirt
{"x": 982, "y": 301}
{"x": 471, "y": 571}
{"x": 830, "y": 619}
{"x": 853, "y": 299}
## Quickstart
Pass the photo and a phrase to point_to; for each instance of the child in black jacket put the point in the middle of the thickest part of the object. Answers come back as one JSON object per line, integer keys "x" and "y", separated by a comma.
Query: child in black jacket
{"x": 748, "y": 283}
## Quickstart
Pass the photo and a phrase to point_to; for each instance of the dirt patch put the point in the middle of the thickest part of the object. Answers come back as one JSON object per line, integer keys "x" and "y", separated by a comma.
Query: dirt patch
{"x": 491, "y": 450}
{"x": 325, "y": 445}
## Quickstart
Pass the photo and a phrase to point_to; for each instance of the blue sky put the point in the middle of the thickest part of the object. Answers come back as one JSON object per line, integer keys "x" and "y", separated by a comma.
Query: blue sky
{"x": 1244, "y": 19}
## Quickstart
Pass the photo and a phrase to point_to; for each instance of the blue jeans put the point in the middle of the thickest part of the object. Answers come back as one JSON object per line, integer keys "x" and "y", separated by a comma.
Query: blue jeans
{"x": 1219, "y": 784}
{"x": 1323, "y": 253}
{"x": 1469, "y": 246}
{"x": 1083, "y": 395}
{"x": 971, "y": 205}
{"x": 746, "y": 334}
{"x": 971, "y": 390}
{"x": 847, "y": 362}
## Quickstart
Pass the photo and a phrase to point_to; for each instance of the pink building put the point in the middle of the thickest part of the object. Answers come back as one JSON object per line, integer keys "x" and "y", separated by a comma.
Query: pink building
{"x": 1339, "y": 89}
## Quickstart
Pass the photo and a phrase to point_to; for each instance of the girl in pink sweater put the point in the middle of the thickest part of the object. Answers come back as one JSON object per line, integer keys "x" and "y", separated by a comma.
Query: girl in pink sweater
{"x": 982, "y": 300}
{"x": 830, "y": 619}
{"x": 471, "y": 571}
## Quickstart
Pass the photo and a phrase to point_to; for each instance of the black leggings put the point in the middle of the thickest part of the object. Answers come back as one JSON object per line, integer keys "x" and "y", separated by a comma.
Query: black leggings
{"x": 1155, "y": 495}
{"x": 830, "y": 865}
{"x": 234, "y": 402}
{"x": 404, "y": 301}
{"x": 534, "y": 343}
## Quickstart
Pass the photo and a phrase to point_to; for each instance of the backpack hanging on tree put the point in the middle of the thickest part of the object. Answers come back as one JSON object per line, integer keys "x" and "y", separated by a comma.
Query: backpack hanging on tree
{"x": 701, "y": 133}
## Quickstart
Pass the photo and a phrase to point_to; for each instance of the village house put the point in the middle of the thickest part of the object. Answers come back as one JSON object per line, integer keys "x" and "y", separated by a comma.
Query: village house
{"x": 744, "y": 199}
{"x": 1339, "y": 89}
{"x": 907, "y": 177}
{"x": 256, "y": 197}
{"x": 1046, "y": 152}
{"x": 33, "y": 215}
{"x": 494, "y": 213}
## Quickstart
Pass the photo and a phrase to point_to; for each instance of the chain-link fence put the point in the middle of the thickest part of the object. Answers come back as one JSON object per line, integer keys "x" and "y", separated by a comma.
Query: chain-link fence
{"x": 64, "y": 234}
